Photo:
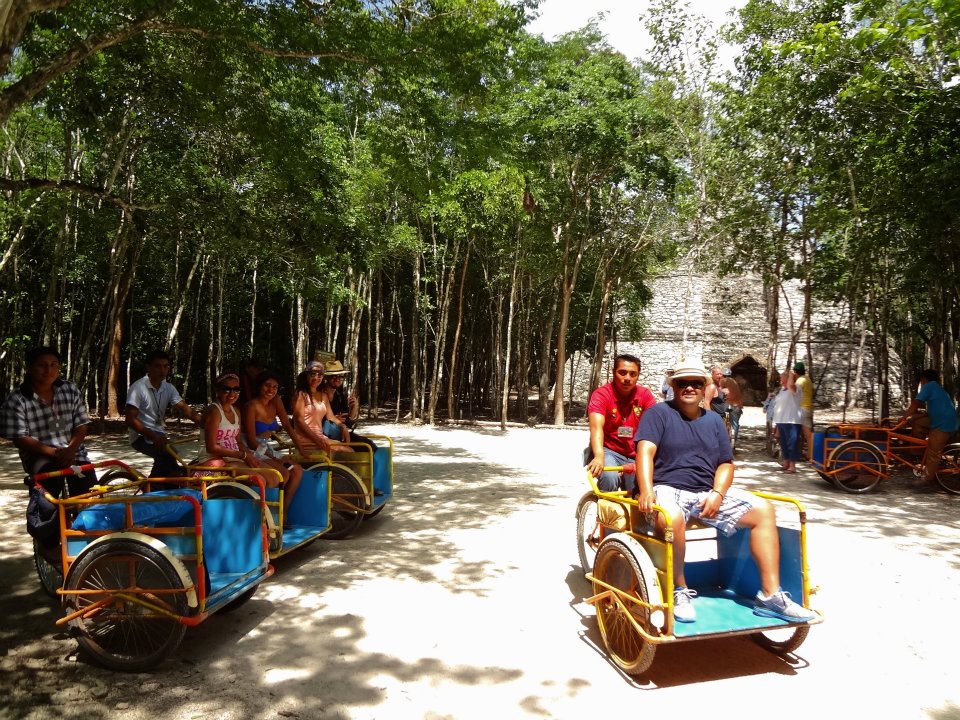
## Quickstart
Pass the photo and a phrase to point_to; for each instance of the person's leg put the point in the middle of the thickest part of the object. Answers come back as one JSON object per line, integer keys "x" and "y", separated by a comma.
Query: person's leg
{"x": 936, "y": 441}
{"x": 792, "y": 454}
{"x": 783, "y": 439}
{"x": 806, "y": 421}
{"x": 735, "y": 414}
{"x": 669, "y": 499}
{"x": 764, "y": 545}
{"x": 609, "y": 481}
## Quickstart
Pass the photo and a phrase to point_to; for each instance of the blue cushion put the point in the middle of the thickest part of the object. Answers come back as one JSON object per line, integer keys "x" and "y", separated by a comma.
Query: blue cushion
{"x": 111, "y": 516}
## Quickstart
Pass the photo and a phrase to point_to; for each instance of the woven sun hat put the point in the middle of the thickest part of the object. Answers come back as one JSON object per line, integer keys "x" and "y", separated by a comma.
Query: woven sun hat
{"x": 334, "y": 368}
{"x": 690, "y": 369}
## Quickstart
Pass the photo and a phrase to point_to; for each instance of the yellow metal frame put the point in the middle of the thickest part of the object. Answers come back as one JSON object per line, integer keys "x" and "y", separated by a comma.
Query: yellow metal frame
{"x": 103, "y": 494}
{"x": 665, "y": 574}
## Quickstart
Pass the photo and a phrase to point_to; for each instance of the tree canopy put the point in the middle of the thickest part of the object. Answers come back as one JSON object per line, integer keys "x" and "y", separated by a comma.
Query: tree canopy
{"x": 454, "y": 205}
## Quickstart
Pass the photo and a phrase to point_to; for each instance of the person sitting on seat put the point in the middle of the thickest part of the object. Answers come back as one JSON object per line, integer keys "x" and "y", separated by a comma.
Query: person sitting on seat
{"x": 311, "y": 413}
{"x": 147, "y": 401}
{"x": 344, "y": 407}
{"x": 263, "y": 416}
{"x": 47, "y": 421}
{"x": 685, "y": 465}
{"x": 614, "y": 411}
{"x": 941, "y": 420}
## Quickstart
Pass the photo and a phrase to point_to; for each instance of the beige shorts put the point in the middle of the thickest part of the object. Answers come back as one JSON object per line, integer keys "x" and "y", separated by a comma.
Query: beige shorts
{"x": 806, "y": 418}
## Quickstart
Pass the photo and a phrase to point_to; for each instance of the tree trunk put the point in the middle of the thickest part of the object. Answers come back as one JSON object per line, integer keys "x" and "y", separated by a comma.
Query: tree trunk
{"x": 508, "y": 344}
{"x": 546, "y": 345}
{"x": 452, "y": 409}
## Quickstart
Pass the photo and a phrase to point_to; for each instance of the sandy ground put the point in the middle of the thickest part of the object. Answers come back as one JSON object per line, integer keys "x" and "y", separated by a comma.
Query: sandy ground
{"x": 464, "y": 600}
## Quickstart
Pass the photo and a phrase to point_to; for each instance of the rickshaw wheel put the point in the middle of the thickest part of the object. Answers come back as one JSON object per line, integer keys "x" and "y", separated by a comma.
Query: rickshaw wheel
{"x": 948, "y": 475}
{"x": 857, "y": 466}
{"x": 124, "y": 635}
{"x": 50, "y": 574}
{"x": 828, "y": 478}
{"x": 347, "y": 502}
{"x": 616, "y": 565}
{"x": 118, "y": 478}
{"x": 588, "y": 531}
{"x": 783, "y": 640}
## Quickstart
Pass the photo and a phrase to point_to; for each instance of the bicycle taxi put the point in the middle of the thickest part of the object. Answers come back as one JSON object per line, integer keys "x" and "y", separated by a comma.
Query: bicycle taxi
{"x": 630, "y": 567}
{"x": 311, "y": 516}
{"x": 361, "y": 481}
{"x": 143, "y": 559}
{"x": 856, "y": 457}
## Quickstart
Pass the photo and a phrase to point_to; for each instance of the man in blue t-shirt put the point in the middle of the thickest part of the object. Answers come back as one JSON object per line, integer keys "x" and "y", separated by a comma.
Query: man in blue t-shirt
{"x": 685, "y": 464}
{"x": 941, "y": 418}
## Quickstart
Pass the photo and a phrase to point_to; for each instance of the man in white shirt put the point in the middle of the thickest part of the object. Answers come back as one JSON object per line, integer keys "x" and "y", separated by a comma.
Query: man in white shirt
{"x": 147, "y": 401}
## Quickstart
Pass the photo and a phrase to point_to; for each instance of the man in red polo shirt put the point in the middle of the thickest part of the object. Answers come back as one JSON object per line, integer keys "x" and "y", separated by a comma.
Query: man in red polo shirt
{"x": 614, "y": 412}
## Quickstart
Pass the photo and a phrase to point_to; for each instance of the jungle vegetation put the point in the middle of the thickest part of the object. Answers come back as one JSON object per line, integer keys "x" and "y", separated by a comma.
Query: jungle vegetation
{"x": 450, "y": 203}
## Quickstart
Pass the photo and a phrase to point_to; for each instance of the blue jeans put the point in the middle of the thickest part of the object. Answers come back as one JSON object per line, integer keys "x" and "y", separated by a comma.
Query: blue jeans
{"x": 789, "y": 435}
{"x": 610, "y": 481}
{"x": 164, "y": 464}
{"x": 735, "y": 414}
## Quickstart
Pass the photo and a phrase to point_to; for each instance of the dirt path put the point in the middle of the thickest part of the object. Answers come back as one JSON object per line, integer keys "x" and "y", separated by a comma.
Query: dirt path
{"x": 463, "y": 600}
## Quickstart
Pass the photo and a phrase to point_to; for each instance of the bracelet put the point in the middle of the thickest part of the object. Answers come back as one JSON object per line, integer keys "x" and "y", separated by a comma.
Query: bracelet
{"x": 717, "y": 492}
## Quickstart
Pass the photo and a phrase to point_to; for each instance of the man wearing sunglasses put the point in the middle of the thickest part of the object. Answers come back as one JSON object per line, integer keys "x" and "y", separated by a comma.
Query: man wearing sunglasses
{"x": 685, "y": 465}
{"x": 147, "y": 401}
{"x": 614, "y": 412}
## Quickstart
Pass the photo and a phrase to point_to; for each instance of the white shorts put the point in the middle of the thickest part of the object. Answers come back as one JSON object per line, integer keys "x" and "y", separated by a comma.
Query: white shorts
{"x": 735, "y": 504}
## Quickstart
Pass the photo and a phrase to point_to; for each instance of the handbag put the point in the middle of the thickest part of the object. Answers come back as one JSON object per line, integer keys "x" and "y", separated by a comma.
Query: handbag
{"x": 42, "y": 522}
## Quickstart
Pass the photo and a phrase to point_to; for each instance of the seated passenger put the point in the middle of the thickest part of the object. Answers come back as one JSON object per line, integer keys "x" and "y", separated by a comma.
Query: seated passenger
{"x": 221, "y": 433}
{"x": 345, "y": 409}
{"x": 311, "y": 411}
{"x": 263, "y": 416}
{"x": 614, "y": 411}
{"x": 47, "y": 421}
{"x": 685, "y": 464}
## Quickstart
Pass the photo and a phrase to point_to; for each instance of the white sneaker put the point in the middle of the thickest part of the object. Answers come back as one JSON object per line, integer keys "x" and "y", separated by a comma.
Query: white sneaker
{"x": 683, "y": 604}
{"x": 780, "y": 605}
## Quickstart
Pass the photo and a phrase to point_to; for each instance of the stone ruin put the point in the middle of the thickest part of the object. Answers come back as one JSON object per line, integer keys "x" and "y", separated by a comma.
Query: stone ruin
{"x": 723, "y": 321}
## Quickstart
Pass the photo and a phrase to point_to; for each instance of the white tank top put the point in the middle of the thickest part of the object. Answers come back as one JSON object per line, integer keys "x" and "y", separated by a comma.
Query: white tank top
{"x": 227, "y": 431}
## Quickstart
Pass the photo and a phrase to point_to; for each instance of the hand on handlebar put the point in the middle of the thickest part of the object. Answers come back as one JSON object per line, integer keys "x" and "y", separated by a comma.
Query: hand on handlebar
{"x": 595, "y": 466}
{"x": 645, "y": 500}
{"x": 64, "y": 456}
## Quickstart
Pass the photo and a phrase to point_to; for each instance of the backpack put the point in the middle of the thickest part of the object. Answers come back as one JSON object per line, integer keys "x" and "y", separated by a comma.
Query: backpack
{"x": 42, "y": 523}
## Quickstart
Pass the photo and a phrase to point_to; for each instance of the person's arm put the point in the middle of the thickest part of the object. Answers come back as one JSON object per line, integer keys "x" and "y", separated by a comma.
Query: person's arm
{"x": 596, "y": 443}
{"x": 287, "y": 425}
{"x": 188, "y": 411}
{"x": 68, "y": 455}
{"x": 337, "y": 419}
{"x": 646, "y": 451}
{"x": 911, "y": 411}
{"x": 132, "y": 418}
{"x": 709, "y": 394}
{"x": 353, "y": 403}
{"x": 722, "y": 480}
{"x": 250, "y": 424}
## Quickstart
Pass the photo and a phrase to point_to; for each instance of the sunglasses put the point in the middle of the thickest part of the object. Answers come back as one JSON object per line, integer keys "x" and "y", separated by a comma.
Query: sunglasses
{"x": 318, "y": 373}
{"x": 230, "y": 388}
{"x": 685, "y": 383}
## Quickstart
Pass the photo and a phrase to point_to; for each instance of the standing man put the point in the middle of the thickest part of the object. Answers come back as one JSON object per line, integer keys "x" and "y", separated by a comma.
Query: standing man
{"x": 614, "y": 412}
{"x": 943, "y": 423}
{"x": 725, "y": 397}
{"x": 147, "y": 402}
{"x": 685, "y": 465}
{"x": 805, "y": 393}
